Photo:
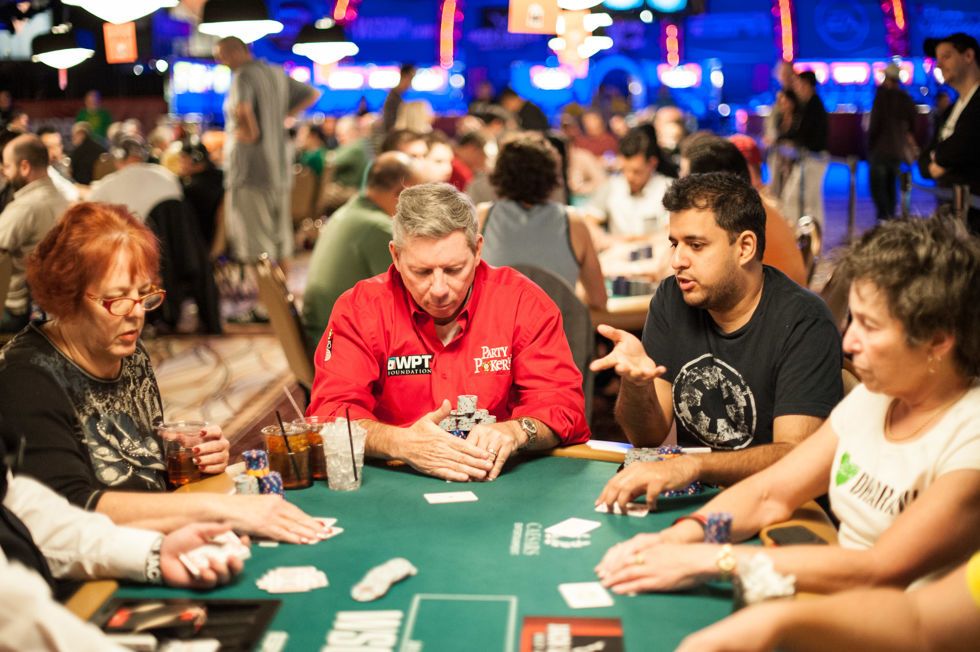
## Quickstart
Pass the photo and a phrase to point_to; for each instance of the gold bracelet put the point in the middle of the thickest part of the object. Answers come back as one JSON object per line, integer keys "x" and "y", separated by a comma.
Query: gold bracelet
{"x": 726, "y": 562}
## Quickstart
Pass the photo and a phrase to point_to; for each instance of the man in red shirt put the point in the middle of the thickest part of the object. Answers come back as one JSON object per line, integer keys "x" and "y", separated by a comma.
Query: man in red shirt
{"x": 441, "y": 323}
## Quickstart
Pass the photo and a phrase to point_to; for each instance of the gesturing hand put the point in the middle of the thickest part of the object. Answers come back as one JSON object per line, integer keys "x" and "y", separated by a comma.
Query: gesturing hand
{"x": 628, "y": 358}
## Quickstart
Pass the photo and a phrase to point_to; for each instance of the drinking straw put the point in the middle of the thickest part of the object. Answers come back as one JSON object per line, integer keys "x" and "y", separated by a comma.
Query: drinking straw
{"x": 350, "y": 438}
{"x": 289, "y": 395}
{"x": 289, "y": 449}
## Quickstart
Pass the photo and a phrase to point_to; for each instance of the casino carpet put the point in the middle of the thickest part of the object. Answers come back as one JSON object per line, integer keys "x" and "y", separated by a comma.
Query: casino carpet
{"x": 234, "y": 380}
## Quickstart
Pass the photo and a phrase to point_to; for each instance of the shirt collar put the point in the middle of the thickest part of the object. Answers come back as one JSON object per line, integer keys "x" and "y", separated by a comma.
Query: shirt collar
{"x": 32, "y": 186}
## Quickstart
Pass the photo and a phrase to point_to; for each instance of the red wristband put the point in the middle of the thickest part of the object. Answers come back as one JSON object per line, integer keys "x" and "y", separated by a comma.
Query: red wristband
{"x": 701, "y": 519}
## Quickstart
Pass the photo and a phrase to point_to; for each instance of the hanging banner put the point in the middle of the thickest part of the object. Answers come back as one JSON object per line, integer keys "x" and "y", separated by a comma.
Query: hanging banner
{"x": 532, "y": 16}
{"x": 120, "y": 42}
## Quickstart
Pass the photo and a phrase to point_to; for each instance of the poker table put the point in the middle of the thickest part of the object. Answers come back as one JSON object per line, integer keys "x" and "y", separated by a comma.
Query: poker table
{"x": 483, "y": 566}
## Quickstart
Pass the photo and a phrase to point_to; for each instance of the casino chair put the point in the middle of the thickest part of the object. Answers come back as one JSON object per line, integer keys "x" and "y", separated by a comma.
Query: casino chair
{"x": 285, "y": 319}
{"x": 577, "y": 322}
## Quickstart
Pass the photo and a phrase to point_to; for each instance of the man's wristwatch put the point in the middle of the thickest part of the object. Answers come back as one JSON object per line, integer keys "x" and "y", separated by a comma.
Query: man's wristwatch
{"x": 530, "y": 430}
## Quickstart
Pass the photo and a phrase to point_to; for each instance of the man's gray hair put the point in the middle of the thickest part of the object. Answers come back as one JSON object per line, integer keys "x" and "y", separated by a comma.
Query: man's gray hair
{"x": 434, "y": 211}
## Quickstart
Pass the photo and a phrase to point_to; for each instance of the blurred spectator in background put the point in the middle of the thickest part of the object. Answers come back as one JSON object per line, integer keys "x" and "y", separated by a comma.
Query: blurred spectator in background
{"x": 586, "y": 172}
{"x": 94, "y": 114}
{"x": 469, "y": 158}
{"x": 35, "y": 208}
{"x": 311, "y": 148}
{"x": 439, "y": 158}
{"x": 328, "y": 127}
{"x": 204, "y": 191}
{"x": 670, "y": 129}
{"x": 58, "y": 168}
{"x": 415, "y": 115}
{"x": 632, "y": 202}
{"x": 483, "y": 99}
{"x": 406, "y": 141}
{"x": 891, "y": 140}
{"x": 85, "y": 153}
{"x": 595, "y": 137}
{"x": 393, "y": 101}
{"x": 136, "y": 184}
{"x": 18, "y": 123}
{"x": 346, "y": 164}
{"x": 810, "y": 139}
{"x": 528, "y": 115}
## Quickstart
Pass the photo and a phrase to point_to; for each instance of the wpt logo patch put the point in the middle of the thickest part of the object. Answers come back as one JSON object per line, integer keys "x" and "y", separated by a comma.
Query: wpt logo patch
{"x": 409, "y": 365}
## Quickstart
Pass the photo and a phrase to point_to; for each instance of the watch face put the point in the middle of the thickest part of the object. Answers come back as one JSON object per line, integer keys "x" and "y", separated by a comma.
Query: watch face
{"x": 528, "y": 426}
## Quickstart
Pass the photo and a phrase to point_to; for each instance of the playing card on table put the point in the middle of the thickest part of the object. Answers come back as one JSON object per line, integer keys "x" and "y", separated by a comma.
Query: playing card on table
{"x": 292, "y": 579}
{"x": 222, "y": 547}
{"x": 331, "y": 532}
{"x": 325, "y": 521}
{"x": 632, "y": 509}
{"x": 572, "y": 527}
{"x": 585, "y": 595}
{"x": 443, "y": 497}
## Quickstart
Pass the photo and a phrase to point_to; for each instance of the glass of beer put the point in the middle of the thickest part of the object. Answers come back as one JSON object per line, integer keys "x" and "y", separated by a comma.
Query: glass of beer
{"x": 179, "y": 439}
{"x": 292, "y": 461}
{"x": 312, "y": 426}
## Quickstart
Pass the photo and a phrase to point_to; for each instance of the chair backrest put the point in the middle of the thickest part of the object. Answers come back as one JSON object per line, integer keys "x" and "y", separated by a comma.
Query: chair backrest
{"x": 6, "y": 271}
{"x": 285, "y": 320}
{"x": 306, "y": 185}
{"x": 576, "y": 320}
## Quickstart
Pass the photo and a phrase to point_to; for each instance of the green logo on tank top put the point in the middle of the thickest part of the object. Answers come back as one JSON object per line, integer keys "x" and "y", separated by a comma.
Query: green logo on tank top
{"x": 846, "y": 470}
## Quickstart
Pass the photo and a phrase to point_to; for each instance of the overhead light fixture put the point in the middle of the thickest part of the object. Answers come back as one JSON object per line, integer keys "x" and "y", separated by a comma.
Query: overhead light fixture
{"x": 246, "y": 19}
{"x": 59, "y": 48}
{"x": 577, "y": 5}
{"x": 324, "y": 43}
{"x": 121, "y": 11}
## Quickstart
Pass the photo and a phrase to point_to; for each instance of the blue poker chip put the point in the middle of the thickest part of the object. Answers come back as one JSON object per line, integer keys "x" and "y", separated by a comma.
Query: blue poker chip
{"x": 718, "y": 528}
{"x": 271, "y": 484}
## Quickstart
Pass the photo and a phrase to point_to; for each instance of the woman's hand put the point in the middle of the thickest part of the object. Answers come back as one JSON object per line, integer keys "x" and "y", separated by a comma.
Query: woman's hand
{"x": 211, "y": 455}
{"x": 648, "y": 564}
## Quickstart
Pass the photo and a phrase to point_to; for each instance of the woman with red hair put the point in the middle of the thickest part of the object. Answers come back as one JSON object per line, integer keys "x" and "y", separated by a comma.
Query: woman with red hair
{"x": 79, "y": 390}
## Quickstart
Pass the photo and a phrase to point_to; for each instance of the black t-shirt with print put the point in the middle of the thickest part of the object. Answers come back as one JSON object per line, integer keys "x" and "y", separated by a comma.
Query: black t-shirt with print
{"x": 728, "y": 387}
{"x": 83, "y": 434}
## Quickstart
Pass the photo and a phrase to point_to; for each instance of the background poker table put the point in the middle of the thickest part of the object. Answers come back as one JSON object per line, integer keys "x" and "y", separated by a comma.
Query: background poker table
{"x": 477, "y": 579}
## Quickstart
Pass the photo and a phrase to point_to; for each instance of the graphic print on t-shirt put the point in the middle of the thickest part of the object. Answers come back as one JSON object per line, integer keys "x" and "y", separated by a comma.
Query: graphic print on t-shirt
{"x": 714, "y": 403}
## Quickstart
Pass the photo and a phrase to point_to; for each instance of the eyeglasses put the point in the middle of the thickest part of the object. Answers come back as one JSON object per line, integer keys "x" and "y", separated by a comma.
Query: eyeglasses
{"x": 124, "y": 306}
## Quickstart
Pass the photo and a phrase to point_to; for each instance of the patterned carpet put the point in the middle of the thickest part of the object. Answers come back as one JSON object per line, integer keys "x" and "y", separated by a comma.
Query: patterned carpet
{"x": 232, "y": 380}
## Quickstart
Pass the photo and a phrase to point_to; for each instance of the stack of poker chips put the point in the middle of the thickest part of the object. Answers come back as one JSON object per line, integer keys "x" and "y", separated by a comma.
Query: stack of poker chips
{"x": 258, "y": 479}
{"x": 718, "y": 528}
{"x": 465, "y": 417}
{"x": 659, "y": 455}
{"x": 271, "y": 484}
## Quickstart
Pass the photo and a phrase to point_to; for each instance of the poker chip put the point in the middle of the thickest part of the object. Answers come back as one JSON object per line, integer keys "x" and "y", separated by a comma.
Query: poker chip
{"x": 256, "y": 462}
{"x": 465, "y": 416}
{"x": 380, "y": 579}
{"x": 246, "y": 485}
{"x": 718, "y": 528}
{"x": 271, "y": 484}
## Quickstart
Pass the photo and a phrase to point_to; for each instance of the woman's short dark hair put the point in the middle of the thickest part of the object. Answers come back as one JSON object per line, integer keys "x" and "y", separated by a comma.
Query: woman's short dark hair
{"x": 735, "y": 203}
{"x": 526, "y": 169}
{"x": 929, "y": 273}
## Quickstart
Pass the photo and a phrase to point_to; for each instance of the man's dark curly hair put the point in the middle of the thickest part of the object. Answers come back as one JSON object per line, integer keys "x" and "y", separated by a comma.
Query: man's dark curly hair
{"x": 734, "y": 202}
{"x": 929, "y": 272}
{"x": 526, "y": 169}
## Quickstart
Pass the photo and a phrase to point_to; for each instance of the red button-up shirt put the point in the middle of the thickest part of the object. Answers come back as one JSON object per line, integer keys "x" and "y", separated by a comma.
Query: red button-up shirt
{"x": 380, "y": 356}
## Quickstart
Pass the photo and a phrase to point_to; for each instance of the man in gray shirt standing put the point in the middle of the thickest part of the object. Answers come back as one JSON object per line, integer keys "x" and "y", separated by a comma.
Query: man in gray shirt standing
{"x": 257, "y": 172}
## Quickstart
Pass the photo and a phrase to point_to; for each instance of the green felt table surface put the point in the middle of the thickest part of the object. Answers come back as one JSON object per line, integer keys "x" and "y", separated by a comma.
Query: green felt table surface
{"x": 482, "y": 566}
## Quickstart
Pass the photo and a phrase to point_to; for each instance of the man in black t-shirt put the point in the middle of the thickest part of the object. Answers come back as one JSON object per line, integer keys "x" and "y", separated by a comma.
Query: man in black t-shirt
{"x": 748, "y": 363}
